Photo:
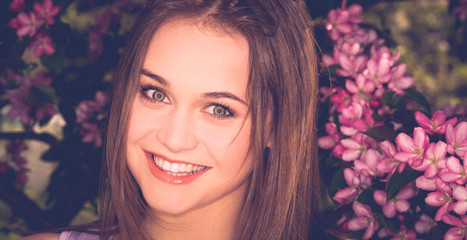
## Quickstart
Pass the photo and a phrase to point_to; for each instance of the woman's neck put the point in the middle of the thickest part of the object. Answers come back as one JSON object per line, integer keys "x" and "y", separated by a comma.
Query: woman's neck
{"x": 214, "y": 221}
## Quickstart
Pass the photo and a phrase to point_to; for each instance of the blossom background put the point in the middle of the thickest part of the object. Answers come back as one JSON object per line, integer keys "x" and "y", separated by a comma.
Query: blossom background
{"x": 402, "y": 59}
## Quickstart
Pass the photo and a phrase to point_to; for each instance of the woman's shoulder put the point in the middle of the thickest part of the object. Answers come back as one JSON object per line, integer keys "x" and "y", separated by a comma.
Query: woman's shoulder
{"x": 42, "y": 236}
{"x": 66, "y": 235}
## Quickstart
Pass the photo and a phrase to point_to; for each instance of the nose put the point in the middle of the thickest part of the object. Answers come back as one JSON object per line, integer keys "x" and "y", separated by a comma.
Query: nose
{"x": 177, "y": 132}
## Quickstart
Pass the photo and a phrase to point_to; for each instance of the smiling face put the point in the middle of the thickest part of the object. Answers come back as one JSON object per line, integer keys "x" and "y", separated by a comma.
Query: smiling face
{"x": 189, "y": 131}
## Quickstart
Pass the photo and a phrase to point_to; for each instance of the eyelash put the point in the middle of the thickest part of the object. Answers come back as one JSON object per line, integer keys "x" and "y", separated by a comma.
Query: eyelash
{"x": 145, "y": 88}
{"x": 229, "y": 112}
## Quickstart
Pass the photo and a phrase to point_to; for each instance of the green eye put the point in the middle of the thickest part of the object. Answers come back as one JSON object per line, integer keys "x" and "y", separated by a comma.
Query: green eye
{"x": 219, "y": 110}
{"x": 158, "y": 95}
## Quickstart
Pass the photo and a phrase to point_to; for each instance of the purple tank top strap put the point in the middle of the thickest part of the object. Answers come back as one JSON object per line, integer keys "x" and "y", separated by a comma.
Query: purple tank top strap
{"x": 75, "y": 235}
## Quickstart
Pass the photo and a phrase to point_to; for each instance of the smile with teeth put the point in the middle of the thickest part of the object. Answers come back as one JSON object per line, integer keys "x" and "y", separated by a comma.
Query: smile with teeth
{"x": 176, "y": 169}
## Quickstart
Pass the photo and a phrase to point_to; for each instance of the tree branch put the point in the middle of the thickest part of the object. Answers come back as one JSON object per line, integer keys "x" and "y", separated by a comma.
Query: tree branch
{"x": 44, "y": 137}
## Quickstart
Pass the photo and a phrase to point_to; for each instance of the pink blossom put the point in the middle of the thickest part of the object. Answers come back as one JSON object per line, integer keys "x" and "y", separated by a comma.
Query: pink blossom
{"x": 14, "y": 23}
{"x": 88, "y": 109}
{"x": 461, "y": 10}
{"x": 20, "y": 97}
{"x": 14, "y": 149}
{"x": 47, "y": 11}
{"x": 22, "y": 111}
{"x": 324, "y": 93}
{"x": 441, "y": 198}
{"x": 397, "y": 204}
{"x": 434, "y": 160}
{"x": 364, "y": 220}
{"x": 458, "y": 232}
{"x": 351, "y": 49}
{"x": 378, "y": 69}
{"x": 91, "y": 133}
{"x": 425, "y": 224}
{"x": 437, "y": 124}
{"x": 48, "y": 109}
{"x": 456, "y": 138}
{"x": 354, "y": 11}
{"x": 350, "y": 67}
{"x": 338, "y": 23}
{"x": 42, "y": 44}
{"x": 3, "y": 167}
{"x": 329, "y": 141}
{"x": 404, "y": 234}
{"x": 369, "y": 162}
{"x": 352, "y": 113}
{"x": 17, "y": 5}
{"x": 459, "y": 110}
{"x": 425, "y": 183}
{"x": 363, "y": 87}
{"x": 412, "y": 149}
{"x": 341, "y": 98}
{"x": 399, "y": 81}
{"x": 357, "y": 182}
{"x": 26, "y": 25}
{"x": 457, "y": 172}
{"x": 460, "y": 194}
{"x": 327, "y": 60}
{"x": 388, "y": 164}
{"x": 95, "y": 47}
{"x": 103, "y": 21}
{"x": 21, "y": 175}
{"x": 356, "y": 146}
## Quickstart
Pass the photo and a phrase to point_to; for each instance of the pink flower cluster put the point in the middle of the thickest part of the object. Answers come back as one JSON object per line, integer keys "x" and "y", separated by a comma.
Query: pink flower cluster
{"x": 112, "y": 14}
{"x": 365, "y": 72}
{"x": 13, "y": 159}
{"x": 87, "y": 113}
{"x": 461, "y": 10}
{"x": 20, "y": 97}
{"x": 28, "y": 24}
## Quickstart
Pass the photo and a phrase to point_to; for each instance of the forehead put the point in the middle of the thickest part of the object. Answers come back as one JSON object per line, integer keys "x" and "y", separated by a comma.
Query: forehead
{"x": 181, "y": 50}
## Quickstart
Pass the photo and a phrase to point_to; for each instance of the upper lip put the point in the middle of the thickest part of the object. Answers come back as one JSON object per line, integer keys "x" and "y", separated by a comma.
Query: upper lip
{"x": 171, "y": 160}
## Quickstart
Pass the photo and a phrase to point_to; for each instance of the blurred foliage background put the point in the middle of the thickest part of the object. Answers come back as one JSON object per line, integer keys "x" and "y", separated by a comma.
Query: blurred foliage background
{"x": 52, "y": 180}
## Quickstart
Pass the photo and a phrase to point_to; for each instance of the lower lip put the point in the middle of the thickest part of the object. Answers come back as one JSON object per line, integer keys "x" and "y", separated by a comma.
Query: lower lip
{"x": 168, "y": 178}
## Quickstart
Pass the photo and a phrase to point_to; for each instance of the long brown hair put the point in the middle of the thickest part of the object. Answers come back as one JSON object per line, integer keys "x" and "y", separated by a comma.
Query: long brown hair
{"x": 282, "y": 88}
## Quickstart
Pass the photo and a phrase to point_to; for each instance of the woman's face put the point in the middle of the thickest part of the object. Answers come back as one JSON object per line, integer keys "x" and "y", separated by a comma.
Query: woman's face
{"x": 189, "y": 131}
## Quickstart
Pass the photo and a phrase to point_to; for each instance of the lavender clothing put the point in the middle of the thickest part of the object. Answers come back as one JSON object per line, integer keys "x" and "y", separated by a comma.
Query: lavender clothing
{"x": 74, "y": 235}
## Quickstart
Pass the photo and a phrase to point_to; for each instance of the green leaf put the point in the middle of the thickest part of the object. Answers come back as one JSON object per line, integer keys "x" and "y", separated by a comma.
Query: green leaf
{"x": 366, "y": 197}
{"x": 386, "y": 98}
{"x": 54, "y": 62}
{"x": 418, "y": 97}
{"x": 337, "y": 182}
{"x": 393, "y": 224}
{"x": 332, "y": 70}
{"x": 330, "y": 161}
{"x": 381, "y": 133}
{"x": 399, "y": 180}
{"x": 48, "y": 93}
{"x": 398, "y": 102}
{"x": 10, "y": 85}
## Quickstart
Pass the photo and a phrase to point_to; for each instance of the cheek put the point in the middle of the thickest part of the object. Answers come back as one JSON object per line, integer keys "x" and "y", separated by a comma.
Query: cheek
{"x": 140, "y": 123}
{"x": 230, "y": 149}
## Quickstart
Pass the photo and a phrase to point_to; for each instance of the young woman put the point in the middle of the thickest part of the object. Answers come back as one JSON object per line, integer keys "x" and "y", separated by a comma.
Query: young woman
{"x": 211, "y": 129}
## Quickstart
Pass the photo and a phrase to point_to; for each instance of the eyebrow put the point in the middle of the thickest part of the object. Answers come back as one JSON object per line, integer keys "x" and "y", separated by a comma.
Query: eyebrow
{"x": 215, "y": 95}
{"x": 154, "y": 76}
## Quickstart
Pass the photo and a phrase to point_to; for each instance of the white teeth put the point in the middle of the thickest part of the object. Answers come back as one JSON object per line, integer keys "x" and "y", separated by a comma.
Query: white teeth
{"x": 166, "y": 166}
{"x": 174, "y": 168}
{"x": 182, "y": 167}
{"x": 177, "y": 169}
